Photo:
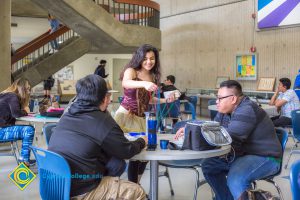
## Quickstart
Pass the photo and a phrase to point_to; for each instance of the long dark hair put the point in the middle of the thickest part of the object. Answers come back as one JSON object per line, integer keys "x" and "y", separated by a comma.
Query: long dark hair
{"x": 138, "y": 58}
{"x": 21, "y": 87}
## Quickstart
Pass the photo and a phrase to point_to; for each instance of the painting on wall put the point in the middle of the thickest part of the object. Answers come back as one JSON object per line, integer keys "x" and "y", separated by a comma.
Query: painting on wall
{"x": 66, "y": 73}
{"x": 246, "y": 67}
{"x": 278, "y": 13}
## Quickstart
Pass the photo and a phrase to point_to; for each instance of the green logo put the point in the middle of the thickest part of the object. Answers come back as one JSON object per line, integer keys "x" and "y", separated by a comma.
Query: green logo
{"x": 22, "y": 176}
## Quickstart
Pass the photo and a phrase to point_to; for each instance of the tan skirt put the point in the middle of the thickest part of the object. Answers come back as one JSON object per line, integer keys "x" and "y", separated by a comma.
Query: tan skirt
{"x": 129, "y": 122}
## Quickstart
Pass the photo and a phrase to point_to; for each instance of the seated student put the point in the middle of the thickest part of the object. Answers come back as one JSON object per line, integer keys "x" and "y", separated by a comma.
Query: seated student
{"x": 168, "y": 85}
{"x": 93, "y": 144}
{"x": 14, "y": 103}
{"x": 256, "y": 149}
{"x": 285, "y": 100}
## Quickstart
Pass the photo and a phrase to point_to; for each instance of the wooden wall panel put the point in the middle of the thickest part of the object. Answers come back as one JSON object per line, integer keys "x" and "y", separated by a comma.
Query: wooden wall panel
{"x": 198, "y": 46}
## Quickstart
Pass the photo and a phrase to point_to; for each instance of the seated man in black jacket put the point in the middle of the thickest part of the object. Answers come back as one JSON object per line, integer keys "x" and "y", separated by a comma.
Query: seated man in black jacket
{"x": 94, "y": 145}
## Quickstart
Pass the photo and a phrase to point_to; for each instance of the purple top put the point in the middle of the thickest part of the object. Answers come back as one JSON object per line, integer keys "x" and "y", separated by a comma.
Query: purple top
{"x": 136, "y": 101}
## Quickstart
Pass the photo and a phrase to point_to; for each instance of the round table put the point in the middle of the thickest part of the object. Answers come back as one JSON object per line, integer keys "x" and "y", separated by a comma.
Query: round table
{"x": 159, "y": 154}
{"x": 271, "y": 110}
{"x": 38, "y": 118}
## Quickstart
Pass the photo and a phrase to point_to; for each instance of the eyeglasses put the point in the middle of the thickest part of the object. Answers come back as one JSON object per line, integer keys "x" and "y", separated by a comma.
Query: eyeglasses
{"x": 220, "y": 98}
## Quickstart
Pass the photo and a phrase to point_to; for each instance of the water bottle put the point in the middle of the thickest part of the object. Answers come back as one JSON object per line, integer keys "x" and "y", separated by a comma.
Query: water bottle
{"x": 147, "y": 117}
{"x": 36, "y": 106}
{"x": 152, "y": 132}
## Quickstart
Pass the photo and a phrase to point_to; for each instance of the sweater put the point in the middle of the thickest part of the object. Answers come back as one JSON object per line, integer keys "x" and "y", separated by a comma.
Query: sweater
{"x": 87, "y": 138}
{"x": 251, "y": 129}
{"x": 10, "y": 109}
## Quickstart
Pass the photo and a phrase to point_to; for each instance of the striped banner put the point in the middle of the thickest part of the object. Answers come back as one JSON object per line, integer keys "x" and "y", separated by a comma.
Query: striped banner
{"x": 274, "y": 13}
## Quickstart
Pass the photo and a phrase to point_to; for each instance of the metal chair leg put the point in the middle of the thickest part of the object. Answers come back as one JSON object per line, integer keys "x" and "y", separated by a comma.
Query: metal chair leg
{"x": 13, "y": 149}
{"x": 290, "y": 154}
{"x": 197, "y": 184}
{"x": 169, "y": 179}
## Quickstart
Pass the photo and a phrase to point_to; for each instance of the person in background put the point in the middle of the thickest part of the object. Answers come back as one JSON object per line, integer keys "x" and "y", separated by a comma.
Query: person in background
{"x": 14, "y": 103}
{"x": 100, "y": 70}
{"x": 256, "y": 150}
{"x": 94, "y": 145}
{"x": 168, "y": 85}
{"x": 54, "y": 24}
{"x": 48, "y": 84}
{"x": 285, "y": 100}
{"x": 140, "y": 78}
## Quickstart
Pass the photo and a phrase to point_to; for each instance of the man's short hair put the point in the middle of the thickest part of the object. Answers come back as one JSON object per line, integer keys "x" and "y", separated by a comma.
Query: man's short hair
{"x": 286, "y": 82}
{"x": 171, "y": 78}
{"x": 91, "y": 89}
{"x": 102, "y": 61}
{"x": 232, "y": 84}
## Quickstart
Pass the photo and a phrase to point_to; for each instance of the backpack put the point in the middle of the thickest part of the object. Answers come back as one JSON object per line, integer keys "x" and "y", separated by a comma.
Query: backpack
{"x": 257, "y": 194}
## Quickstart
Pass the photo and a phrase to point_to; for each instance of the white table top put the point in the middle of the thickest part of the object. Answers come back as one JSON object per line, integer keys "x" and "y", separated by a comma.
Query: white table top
{"x": 166, "y": 154}
{"x": 266, "y": 107}
{"x": 39, "y": 118}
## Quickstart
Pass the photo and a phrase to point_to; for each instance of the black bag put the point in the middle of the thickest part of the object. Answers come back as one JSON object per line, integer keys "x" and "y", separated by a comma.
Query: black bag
{"x": 257, "y": 195}
{"x": 205, "y": 135}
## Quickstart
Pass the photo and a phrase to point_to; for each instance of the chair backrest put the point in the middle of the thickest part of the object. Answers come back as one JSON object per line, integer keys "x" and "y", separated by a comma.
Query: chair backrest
{"x": 282, "y": 135}
{"x": 55, "y": 174}
{"x": 297, "y": 91}
{"x": 296, "y": 124}
{"x": 193, "y": 100}
{"x": 212, "y": 113}
{"x": 295, "y": 180}
{"x": 48, "y": 130}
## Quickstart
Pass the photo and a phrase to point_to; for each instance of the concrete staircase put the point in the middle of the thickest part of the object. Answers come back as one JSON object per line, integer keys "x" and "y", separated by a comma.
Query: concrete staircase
{"x": 47, "y": 64}
{"x": 95, "y": 24}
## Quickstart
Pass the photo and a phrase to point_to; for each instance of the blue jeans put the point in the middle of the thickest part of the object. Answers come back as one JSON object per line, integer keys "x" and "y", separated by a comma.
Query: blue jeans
{"x": 115, "y": 167}
{"x": 19, "y": 132}
{"x": 241, "y": 172}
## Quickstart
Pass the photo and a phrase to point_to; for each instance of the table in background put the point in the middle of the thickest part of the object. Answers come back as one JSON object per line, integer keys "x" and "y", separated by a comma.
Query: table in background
{"x": 33, "y": 119}
{"x": 38, "y": 118}
{"x": 271, "y": 110}
{"x": 159, "y": 154}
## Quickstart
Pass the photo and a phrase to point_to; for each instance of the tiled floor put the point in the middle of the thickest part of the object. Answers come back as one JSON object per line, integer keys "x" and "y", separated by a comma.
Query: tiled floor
{"x": 182, "y": 180}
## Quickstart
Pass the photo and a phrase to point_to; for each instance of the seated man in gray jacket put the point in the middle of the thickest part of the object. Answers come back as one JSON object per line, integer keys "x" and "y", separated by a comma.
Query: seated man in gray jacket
{"x": 94, "y": 145}
{"x": 256, "y": 150}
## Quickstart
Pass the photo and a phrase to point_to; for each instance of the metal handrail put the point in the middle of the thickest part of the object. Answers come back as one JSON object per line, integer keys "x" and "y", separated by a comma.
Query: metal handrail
{"x": 27, "y": 57}
{"x": 142, "y": 13}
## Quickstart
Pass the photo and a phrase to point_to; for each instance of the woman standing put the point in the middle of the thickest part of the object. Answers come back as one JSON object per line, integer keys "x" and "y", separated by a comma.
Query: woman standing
{"x": 139, "y": 80}
{"x": 14, "y": 103}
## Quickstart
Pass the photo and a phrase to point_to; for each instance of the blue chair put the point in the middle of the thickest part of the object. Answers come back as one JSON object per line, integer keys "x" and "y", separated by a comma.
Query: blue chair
{"x": 212, "y": 113}
{"x": 283, "y": 138}
{"x": 55, "y": 175}
{"x": 190, "y": 107}
{"x": 295, "y": 180}
{"x": 296, "y": 133}
{"x": 48, "y": 130}
{"x": 298, "y": 93}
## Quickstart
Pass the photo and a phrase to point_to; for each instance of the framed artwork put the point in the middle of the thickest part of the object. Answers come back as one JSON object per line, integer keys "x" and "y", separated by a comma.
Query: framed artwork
{"x": 277, "y": 13}
{"x": 220, "y": 79}
{"x": 266, "y": 84}
{"x": 246, "y": 66}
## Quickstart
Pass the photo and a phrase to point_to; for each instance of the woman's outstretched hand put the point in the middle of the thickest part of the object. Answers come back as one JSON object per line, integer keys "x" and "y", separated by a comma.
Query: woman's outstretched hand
{"x": 149, "y": 86}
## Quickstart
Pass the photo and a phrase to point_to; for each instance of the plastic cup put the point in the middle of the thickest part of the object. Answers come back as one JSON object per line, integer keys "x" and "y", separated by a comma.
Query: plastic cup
{"x": 164, "y": 144}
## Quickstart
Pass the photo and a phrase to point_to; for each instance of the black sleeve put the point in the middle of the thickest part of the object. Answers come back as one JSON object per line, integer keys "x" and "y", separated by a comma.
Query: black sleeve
{"x": 15, "y": 107}
{"x": 117, "y": 145}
